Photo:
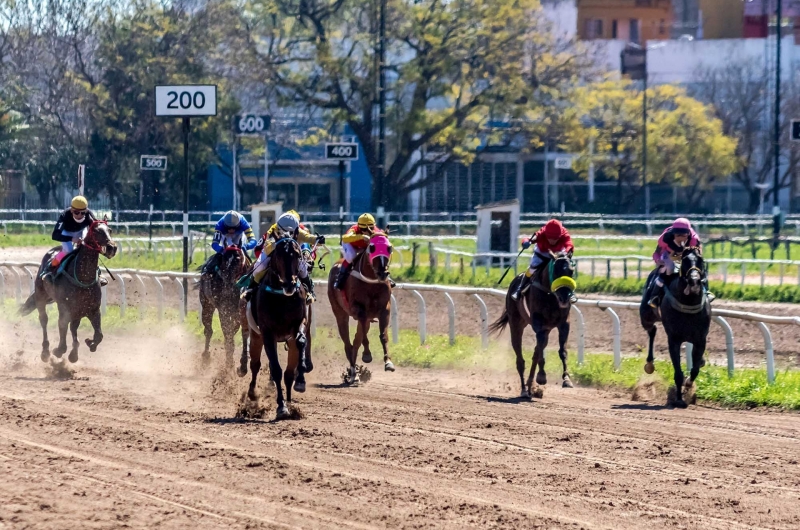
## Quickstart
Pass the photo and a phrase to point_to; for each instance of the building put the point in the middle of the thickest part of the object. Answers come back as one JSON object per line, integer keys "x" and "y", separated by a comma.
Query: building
{"x": 635, "y": 21}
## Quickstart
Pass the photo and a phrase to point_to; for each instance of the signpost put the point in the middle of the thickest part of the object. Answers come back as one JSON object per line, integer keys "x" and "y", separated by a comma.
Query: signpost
{"x": 185, "y": 101}
{"x": 252, "y": 125}
{"x": 81, "y": 178}
{"x": 341, "y": 152}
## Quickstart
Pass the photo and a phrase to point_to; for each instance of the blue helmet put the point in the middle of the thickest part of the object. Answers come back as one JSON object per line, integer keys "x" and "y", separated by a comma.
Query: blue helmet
{"x": 232, "y": 219}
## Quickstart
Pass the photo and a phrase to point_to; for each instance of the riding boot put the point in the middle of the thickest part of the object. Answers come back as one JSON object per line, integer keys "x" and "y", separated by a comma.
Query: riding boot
{"x": 658, "y": 293}
{"x": 309, "y": 284}
{"x": 247, "y": 294}
{"x": 391, "y": 282}
{"x": 344, "y": 272}
{"x": 520, "y": 287}
{"x": 709, "y": 295}
{"x": 103, "y": 282}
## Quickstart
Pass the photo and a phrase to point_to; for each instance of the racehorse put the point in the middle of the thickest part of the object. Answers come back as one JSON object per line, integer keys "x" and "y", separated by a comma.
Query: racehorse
{"x": 548, "y": 306}
{"x": 365, "y": 296}
{"x": 75, "y": 290}
{"x": 280, "y": 313}
{"x": 685, "y": 314}
{"x": 218, "y": 292}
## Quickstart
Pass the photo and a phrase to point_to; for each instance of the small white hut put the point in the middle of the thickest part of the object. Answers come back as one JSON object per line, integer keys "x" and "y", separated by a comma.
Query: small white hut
{"x": 502, "y": 236}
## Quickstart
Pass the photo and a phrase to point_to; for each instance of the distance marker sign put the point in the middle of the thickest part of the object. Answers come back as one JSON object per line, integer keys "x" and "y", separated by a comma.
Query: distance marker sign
{"x": 341, "y": 151}
{"x": 153, "y": 163}
{"x": 250, "y": 124}
{"x": 186, "y": 100}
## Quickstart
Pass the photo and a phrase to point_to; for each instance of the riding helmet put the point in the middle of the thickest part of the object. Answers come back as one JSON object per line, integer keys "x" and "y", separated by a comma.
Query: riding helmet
{"x": 553, "y": 229}
{"x": 79, "y": 202}
{"x": 288, "y": 222}
{"x": 682, "y": 226}
{"x": 366, "y": 221}
{"x": 232, "y": 219}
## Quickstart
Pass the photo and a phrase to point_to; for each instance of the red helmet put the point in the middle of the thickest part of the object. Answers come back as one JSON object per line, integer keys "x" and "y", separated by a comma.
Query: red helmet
{"x": 553, "y": 229}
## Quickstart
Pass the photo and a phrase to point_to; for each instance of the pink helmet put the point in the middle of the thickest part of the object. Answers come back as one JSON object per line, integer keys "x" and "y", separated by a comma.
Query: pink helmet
{"x": 682, "y": 224}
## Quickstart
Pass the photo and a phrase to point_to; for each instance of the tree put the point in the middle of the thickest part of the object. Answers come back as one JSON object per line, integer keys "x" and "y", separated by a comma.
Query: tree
{"x": 453, "y": 69}
{"x": 740, "y": 95}
{"x": 686, "y": 145}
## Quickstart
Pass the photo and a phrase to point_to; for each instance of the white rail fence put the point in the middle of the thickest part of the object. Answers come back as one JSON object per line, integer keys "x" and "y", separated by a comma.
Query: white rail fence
{"x": 20, "y": 271}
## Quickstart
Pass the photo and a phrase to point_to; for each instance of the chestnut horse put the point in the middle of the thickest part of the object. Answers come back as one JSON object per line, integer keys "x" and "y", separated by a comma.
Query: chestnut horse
{"x": 366, "y": 296}
{"x": 280, "y": 313}
{"x": 548, "y": 305}
{"x": 76, "y": 291}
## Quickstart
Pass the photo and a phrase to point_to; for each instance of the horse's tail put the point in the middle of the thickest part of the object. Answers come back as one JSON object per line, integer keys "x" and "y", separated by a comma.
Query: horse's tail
{"x": 500, "y": 324}
{"x": 29, "y": 305}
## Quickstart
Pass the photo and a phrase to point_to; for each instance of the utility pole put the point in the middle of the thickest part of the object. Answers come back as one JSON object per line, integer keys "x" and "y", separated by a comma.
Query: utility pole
{"x": 644, "y": 142}
{"x": 381, "y": 104}
{"x": 776, "y": 206}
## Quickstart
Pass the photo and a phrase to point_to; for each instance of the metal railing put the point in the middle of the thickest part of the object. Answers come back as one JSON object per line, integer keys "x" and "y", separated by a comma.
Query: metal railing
{"x": 163, "y": 280}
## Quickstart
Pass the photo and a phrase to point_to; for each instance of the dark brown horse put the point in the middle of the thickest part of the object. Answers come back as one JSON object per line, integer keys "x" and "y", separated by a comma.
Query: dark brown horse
{"x": 545, "y": 306}
{"x": 76, "y": 291}
{"x": 685, "y": 314}
{"x": 366, "y": 296}
{"x": 218, "y": 292}
{"x": 280, "y": 314}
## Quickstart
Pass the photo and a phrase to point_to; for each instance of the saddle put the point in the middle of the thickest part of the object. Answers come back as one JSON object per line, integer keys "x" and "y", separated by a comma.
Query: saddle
{"x": 61, "y": 267}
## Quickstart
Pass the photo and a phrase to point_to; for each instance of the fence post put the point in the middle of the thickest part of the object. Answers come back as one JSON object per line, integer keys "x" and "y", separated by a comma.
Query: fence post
{"x": 581, "y": 332}
{"x": 726, "y": 328}
{"x": 421, "y": 311}
{"x": 484, "y": 321}
{"x": 770, "y": 354}
{"x": 140, "y": 307}
{"x": 461, "y": 265}
{"x": 2, "y": 288}
{"x": 447, "y": 262}
{"x": 639, "y": 270}
{"x": 394, "y": 318}
{"x": 431, "y": 256}
{"x": 180, "y": 298}
{"x": 451, "y": 313}
{"x": 414, "y": 249}
{"x": 617, "y": 333}
{"x": 624, "y": 268}
{"x": 763, "y": 270}
{"x": 689, "y": 360}
{"x": 160, "y": 298}
{"x": 724, "y": 273}
{"x": 744, "y": 273}
{"x": 608, "y": 269}
{"x": 103, "y": 299}
{"x": 123, "y": 302}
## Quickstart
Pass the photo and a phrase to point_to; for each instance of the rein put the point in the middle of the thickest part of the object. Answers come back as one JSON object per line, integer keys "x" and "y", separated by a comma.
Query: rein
{"x": 272, "y": 272}
{"x": 73, "y": 278}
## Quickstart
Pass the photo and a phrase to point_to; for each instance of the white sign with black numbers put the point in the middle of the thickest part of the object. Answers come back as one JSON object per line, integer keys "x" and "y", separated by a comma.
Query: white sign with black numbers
{"x": 186, "y": 100}
{"x": 563, "y": 163}
{"x": 153, "y": 163}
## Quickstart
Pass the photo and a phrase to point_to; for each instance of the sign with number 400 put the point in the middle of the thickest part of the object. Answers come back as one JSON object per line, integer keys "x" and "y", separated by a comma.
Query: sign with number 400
{"x": 343, "y": 151}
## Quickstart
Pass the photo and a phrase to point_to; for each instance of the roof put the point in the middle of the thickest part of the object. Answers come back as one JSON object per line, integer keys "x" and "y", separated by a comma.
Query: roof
{"x": 498, "y": 204}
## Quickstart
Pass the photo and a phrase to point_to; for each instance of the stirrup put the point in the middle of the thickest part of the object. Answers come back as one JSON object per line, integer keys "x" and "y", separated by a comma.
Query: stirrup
{"x": 103, "y": 282}
{"x": 572, "y": 298}
{"x": 654, "y": 302}
{"x": 246, "y": 295}
{"x": 710, "y": 296}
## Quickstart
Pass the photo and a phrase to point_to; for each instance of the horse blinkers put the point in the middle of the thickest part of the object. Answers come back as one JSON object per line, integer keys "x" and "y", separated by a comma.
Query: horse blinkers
{"x": 693, "y": 274}
{"x": 561, "y": 283}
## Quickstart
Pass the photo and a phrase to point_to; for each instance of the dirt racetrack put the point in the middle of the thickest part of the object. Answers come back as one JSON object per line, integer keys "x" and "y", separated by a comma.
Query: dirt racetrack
{"x": 140, "y": 436}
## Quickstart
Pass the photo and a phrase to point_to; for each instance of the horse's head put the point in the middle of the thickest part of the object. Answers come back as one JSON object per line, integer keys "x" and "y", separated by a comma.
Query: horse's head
{"x": 561, "y": 270}
{"x": 233, "y": 265}
{"x": 380, "y": 253}
{"x": 692, "y": 270}
{"x": 285, "y": 263}
{"x": 99, "y": 239}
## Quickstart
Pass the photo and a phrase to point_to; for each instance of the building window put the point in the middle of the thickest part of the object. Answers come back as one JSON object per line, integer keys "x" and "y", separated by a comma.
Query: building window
{"x": 614, "y": 29}
{"x": 662, "y": 27}
{"x": 594, "y": 28}
{"x": 633, "y": 34}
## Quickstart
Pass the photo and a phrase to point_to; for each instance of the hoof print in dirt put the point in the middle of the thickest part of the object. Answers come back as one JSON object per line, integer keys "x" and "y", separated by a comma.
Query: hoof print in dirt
{"x": 537, "y": 393}
{"x": 59, "y": 371}
{"x": 689, "y": 397}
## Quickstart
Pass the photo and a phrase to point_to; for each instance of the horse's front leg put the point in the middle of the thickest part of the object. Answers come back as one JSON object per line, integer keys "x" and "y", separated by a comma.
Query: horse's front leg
{"x": 542, "y": 337}
{"x": 296, "y": 362}
{"x": 383, "y": 326}
{"x": 230, "y": 326}
{"x": 255, "y": 346}
{"x": 242, "y": 370}
{"x": 675, "y": 357}
{"x": 698, "y": 350}
{"x": 363, "y": 330}
{"x": 343, "y": 324}
{"x": 563, "y": 334}
{"x": 206, "y": 317}
{"x": 73, "y": 327}
{"x": 63, "y": 323}
{"x": 42, "y": 308}
{"x": 95, "y": 320}
{"x": 276, "y": 372}
{"x": 649, "y": 367}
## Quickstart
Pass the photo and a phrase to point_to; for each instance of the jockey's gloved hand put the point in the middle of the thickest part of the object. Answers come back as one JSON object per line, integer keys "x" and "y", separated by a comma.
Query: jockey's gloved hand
{"x": 320, "y": 240}
{"x": 526, "y": 243}
{"x": 251, "y": 244}
{"x": 366, "y": 238}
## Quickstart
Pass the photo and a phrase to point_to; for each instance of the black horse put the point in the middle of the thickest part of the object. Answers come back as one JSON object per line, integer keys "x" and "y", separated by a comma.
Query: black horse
{"x": 76, "y": 291}
{"x": 685, "y": 314}
{"x": 218, "y": 292}
{"x": 281, "y": 313}
{"x": 548, "y": 306}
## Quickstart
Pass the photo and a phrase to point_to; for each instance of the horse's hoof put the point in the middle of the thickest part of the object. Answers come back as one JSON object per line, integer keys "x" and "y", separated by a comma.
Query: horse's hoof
{"x": 92, "y": 346}
{"x": 681, "y": 404}
{"x": 59, "y": 352}
{"x": 241, "y": 371}
{"x": 538, "y": 393}
{"x": 649, "y": 368}
{"x": 283, "y": 413}
{"x": 389, "y": 366}
{"x": 702, "y": 362}
{"x": 206, "y": 358}
{"x": 567, "y": 383}
{"x": 45, "y": 355}
{"x": 300, "y": 386}
{"x": 73, "y": 356}
{"x": 251, "y": 394}
{"x": 541, "y": 378}
{"x": 366, "y": 357}
{"x": 525, "y": 394}
{"x": 308, "y": 366}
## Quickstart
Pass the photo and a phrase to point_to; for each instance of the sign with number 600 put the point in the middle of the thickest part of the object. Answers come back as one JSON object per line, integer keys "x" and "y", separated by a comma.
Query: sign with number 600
{"x": 348, "y": 151}
{"x": 186, "y": 100}
{"x": 251, "y": 124}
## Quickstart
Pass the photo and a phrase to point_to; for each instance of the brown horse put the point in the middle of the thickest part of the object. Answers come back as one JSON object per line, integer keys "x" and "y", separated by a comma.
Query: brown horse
{"x": 218, "y": 292}
{"x": 76, "y": 291}
{"x": 366, "y": 296}
{"x": 548, "y": 305}
{"x": 280, "y": 314}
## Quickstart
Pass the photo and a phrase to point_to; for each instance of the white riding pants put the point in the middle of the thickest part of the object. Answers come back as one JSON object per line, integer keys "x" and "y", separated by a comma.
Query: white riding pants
{"x": 537, "y": 258}
{"x": 349, "y": 252}
{"x": 68, "y": 246}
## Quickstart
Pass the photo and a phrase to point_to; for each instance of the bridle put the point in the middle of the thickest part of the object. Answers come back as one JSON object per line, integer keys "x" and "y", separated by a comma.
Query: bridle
{"x": 90, "y": 240}
{"x": 282, "y": 242}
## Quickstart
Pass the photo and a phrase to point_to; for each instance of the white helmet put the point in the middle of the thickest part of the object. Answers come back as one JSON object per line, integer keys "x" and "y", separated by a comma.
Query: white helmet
{"x": 232, "y": 219}
{"x": 288, "y": 223}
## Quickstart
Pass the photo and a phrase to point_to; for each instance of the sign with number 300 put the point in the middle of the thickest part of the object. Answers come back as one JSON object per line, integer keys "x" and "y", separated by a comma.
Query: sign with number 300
{"x": 186, "y": 100}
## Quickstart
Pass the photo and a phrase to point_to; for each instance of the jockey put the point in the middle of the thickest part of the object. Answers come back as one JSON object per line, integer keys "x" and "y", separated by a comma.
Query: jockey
{"x": 288, "y": 225}
{"x": 231, "y": 230}
{"x": 673, "y": 240}
{"x": 552, "y": 237}
{"x": 354, "y": 242}
{"x": 70, "y": 229}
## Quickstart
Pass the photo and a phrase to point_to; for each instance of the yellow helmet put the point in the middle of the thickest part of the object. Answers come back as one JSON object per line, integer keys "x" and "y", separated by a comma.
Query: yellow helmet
{"x": 79, "y": 202}
{"x": 366, "y": 221}
{"x": 293, "y": 214}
